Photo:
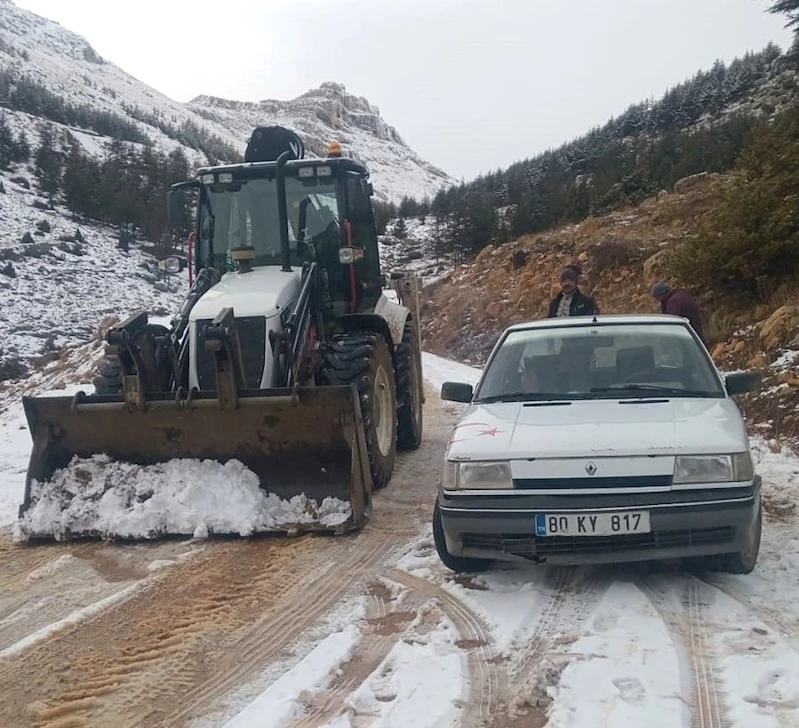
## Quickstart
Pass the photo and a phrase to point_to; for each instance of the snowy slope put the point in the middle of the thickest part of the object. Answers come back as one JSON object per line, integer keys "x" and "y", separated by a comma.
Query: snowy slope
{"x": 330, "y": 113}
{"x": 64, "y": 63}
{"x": 416, "y": 252}
{"x": 55, "y": 293}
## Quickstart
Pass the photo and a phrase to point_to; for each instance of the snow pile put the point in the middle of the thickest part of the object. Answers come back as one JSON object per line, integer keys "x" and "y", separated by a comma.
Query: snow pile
{"x": 181, "y": 496}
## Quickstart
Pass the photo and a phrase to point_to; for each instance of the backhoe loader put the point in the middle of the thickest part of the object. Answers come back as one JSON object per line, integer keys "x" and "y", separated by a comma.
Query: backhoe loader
{"x": 286, "y": 354}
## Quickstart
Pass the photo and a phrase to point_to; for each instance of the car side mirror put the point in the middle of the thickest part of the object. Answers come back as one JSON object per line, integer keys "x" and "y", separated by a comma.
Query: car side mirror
{"x": 176, "y": 208}
{"x": 742, "y": 382}
{"x": 457, "y": 392}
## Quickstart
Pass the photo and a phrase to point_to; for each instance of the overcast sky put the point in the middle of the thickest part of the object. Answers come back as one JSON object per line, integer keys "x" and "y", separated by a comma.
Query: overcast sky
{"x": 471, "y": 85}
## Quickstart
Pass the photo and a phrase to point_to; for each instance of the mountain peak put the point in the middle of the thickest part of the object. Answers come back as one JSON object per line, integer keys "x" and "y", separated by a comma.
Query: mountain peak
{"x": 327, "y": 113}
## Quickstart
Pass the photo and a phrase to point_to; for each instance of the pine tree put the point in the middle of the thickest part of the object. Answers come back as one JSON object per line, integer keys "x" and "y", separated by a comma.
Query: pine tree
{"x": 789, "y": 8}
{"x": 400, "y": 229}
{"x": 48, "y": 162}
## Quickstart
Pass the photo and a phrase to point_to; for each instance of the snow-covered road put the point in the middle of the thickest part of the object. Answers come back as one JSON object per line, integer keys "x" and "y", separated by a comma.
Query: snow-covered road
{"x": 371, "y": 630}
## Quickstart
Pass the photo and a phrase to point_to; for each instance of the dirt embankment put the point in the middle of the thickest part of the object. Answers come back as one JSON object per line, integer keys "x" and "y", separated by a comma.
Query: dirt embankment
{"x": 620, "y": 255}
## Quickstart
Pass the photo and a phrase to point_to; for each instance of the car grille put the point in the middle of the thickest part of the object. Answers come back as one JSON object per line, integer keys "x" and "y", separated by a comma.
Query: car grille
{"x": 651, "y": 481}
{"x": 530, "y": 546}
{"x": 252, "y": 336}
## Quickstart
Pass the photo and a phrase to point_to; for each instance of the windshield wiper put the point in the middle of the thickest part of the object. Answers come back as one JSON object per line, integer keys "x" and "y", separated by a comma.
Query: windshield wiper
{"x": 655, "y": 388}
{"x": 521, "y": 397}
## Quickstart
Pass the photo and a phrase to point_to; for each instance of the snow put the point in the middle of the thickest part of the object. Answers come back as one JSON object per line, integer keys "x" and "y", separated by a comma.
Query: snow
{"x": 70, "y": 620}
{"x": 786, "y": 359}
{"x": 181, "y": 496}
{"x": 417, "y": 684}
{"x": 281, "y": 702}
{"x": 67, "y": 294}
{"x": 438, "y": 370}
{"x": 624, "y": 672}
{"x": 416, "y": 252}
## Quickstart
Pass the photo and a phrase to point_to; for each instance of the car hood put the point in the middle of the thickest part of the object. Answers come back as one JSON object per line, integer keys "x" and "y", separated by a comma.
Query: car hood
{"x": 594, "y": 428}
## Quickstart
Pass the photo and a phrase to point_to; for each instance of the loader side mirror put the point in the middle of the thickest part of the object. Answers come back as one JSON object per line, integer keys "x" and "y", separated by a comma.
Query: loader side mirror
{"x": 176, "y": 208}
{"x": 457, "y": 392}
{"x": 742, "y": 382}
{"x": 172, "y": 264}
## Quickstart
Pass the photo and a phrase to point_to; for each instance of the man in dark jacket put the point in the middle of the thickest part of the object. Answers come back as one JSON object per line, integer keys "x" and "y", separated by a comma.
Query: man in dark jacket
{"x": 571, "y": 301}
{"x": 678, "y": 302}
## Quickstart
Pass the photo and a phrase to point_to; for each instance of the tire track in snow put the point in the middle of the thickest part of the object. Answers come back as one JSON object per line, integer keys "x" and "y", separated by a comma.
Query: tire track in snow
{"x": 781, "y": 623}
{"x": 688, "y": 626}
{"x": 486, "y": 675}
{"x": 570, "y": 602}
{"x": 384, "y": 627}
{"x": 131, "y": 659}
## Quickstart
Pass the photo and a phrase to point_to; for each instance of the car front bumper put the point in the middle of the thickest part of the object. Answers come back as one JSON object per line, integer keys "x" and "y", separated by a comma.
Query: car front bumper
{"x": 686, "y": 524}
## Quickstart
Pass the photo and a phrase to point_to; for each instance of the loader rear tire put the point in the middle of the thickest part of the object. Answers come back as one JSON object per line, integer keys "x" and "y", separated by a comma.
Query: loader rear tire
{"x": 109, "y": 372}
{"x": 364, "y": 359}
{"x": 109, "y": 376}
{"x": 410, "y": 391}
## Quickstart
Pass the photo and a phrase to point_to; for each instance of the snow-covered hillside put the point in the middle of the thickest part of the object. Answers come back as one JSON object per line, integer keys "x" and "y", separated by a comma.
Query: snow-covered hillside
{"x": 60, "y": 278}
{"x": 417, "y": 251}
{"x": 328, "y": 113}
{"x": 42, "y": 51}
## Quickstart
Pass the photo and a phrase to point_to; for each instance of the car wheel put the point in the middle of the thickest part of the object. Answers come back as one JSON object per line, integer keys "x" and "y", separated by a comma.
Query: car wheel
{"x": 744, "y": 561}
{"x": 458, "y": 564}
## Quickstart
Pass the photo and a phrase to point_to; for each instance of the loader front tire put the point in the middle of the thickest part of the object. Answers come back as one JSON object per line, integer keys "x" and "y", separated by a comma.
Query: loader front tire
{"x": 410, "y": 390}
{"x": 364, "y": 359}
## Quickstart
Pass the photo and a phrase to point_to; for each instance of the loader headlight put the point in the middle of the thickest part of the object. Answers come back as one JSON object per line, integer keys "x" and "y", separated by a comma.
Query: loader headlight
{"x": 347, "y": 256}
{"x": 714, "y": 468}
{"x": 477, "y": 476}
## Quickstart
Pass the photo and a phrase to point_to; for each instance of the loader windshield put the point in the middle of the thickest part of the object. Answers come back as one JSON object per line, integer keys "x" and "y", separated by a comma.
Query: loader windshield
{"x": 246, "y": 213}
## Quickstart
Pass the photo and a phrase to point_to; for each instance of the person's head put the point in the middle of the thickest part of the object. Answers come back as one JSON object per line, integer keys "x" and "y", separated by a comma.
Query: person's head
{"x": 660, "y": 290}
{"x": 569, "y": 278}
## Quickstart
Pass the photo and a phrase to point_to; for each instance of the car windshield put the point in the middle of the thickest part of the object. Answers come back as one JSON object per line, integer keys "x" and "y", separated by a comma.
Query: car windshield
{"x": 246, "y": 213}
{"x": 607, "y": 361}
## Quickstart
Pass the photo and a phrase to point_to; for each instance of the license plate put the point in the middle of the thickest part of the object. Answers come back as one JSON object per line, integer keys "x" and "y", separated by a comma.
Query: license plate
{"x": 592, "y": 524}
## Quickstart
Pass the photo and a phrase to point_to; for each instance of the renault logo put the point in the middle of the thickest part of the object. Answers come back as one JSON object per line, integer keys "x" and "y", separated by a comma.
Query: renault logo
{"x": 590, "y": 468}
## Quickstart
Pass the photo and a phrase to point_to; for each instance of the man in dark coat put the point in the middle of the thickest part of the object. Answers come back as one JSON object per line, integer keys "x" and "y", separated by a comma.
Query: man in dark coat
{"x": 571, "y": 301}
{"x": 678, "y": 302}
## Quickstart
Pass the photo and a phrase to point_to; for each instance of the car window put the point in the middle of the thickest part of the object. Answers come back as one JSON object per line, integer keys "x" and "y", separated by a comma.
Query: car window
{"x": 599, "y": 362}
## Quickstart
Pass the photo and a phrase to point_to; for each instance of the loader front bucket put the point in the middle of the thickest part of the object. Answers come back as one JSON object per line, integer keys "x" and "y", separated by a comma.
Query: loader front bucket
{"x": 312, "y": 445}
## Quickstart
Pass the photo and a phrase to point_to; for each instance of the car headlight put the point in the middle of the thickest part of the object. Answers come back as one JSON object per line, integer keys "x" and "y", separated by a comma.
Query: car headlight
{"x": 477, "y": 476}
{"x": 714, "y": 468}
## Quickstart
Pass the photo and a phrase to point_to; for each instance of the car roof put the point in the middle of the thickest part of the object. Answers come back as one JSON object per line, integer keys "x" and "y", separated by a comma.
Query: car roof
{"x": 599, "y": 320}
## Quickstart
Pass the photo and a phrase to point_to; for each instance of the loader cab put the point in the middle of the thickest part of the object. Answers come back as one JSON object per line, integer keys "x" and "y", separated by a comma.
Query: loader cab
{"x": 328, "y": 218}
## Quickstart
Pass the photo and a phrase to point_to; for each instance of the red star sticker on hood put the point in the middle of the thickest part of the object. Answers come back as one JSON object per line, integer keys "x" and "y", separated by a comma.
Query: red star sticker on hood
{"x": 493, "y": 432}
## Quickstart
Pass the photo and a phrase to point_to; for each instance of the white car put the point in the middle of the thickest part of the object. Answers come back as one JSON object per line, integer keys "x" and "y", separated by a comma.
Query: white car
{"x": 596, "y": 440}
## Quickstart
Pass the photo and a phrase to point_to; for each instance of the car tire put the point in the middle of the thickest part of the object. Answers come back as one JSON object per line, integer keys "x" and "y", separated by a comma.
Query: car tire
{"x": 458, "y": 564}
{"x": 744, "y": 561}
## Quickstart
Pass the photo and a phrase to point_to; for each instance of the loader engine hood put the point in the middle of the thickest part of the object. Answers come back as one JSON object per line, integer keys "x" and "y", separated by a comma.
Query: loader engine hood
{"x": 262, "y": 292}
